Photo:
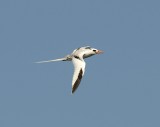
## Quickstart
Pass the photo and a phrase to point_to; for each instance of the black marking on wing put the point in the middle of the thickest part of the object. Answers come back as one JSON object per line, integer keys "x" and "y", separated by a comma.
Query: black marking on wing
{"x": 87, "y": 55}
{"x": 77, "y": 49}
{"x": 77, "y": 57}
{"x": 76, "y": 84}
{"x": 88, "y": 47}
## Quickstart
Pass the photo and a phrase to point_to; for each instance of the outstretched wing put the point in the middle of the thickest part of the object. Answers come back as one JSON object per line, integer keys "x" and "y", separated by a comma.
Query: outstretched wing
{"x": 79, "y": 68}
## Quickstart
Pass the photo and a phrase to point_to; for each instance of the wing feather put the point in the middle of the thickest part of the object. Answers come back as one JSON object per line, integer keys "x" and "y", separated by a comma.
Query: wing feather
{"x": 79, "y": 69}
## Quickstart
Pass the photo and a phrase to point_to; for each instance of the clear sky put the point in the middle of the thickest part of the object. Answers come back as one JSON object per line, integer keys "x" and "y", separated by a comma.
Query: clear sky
{"x": 120, "y": 87}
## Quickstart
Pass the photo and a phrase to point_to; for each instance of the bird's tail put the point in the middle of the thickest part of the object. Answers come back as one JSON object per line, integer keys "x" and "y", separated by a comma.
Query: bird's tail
{"x": 61, "y": 59}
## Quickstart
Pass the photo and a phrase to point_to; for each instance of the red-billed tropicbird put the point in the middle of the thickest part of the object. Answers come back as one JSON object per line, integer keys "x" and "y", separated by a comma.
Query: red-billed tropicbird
{"x": 77, "y": 57}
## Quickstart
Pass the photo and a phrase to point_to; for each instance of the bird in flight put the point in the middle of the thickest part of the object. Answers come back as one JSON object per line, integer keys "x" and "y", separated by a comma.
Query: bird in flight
{"x": 77, "y": 57}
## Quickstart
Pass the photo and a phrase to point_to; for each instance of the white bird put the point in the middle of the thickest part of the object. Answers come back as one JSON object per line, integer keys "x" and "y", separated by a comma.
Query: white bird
{"x": 77, "y": 57}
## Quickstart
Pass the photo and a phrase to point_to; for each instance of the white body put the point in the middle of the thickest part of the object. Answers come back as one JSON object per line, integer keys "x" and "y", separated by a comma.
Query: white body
{"x": 77, "y": 57}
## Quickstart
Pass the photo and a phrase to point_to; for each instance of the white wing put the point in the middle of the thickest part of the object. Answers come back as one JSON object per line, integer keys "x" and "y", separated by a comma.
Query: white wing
{"x": 79, "y": 68}
{"x": 61, "y": 59}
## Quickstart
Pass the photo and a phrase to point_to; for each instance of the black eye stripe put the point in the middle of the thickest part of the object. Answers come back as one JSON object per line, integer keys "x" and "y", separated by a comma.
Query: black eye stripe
{"x": 94, "y": 50}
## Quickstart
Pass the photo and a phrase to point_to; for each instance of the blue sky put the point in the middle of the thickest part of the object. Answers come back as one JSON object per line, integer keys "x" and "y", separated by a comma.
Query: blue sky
{"x": 120, "y": 88}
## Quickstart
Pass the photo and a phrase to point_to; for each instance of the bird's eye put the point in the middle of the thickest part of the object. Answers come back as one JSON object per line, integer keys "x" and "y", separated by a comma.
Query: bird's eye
{"x": 94, "y": 50}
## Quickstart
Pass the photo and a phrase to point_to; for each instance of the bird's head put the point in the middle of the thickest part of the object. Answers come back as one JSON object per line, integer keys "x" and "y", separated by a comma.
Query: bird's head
{"x": 91, "y": 51}
{"x": 96, "y": 51}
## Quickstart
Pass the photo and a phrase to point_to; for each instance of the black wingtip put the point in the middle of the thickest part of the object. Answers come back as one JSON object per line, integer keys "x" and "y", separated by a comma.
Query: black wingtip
{"x": 72, "y": 92}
